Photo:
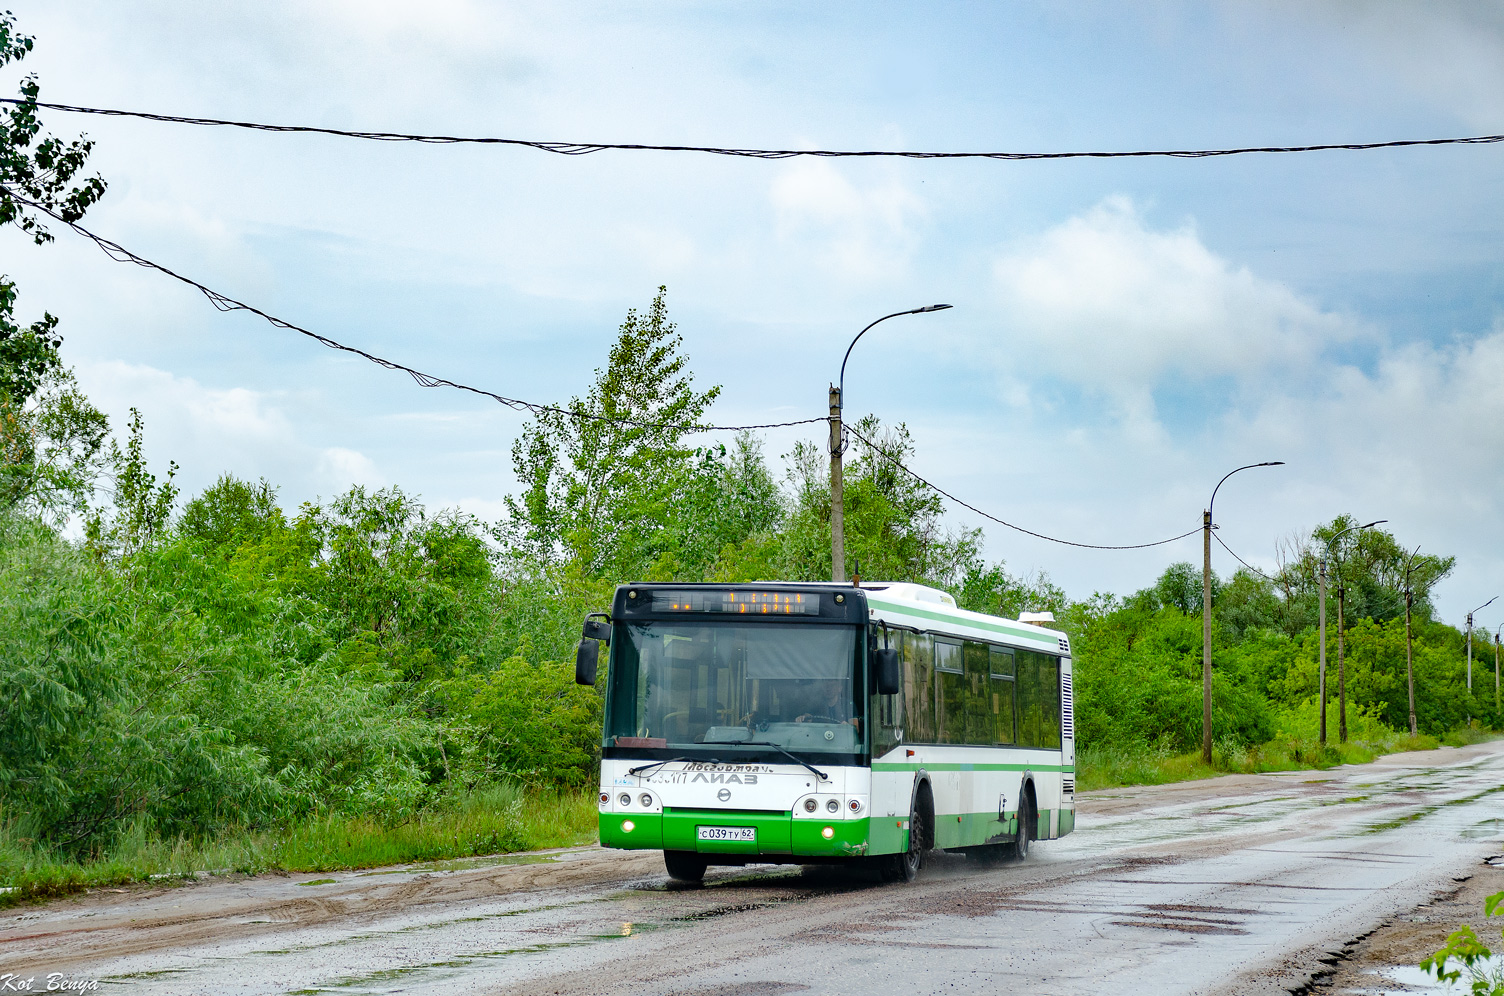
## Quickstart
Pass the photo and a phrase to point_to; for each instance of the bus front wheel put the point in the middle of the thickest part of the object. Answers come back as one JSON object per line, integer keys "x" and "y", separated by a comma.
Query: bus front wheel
{"x": 684, "y": 866}
{"x": 906, "y": 865}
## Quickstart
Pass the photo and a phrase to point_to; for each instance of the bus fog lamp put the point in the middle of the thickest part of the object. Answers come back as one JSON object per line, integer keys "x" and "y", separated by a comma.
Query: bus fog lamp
{"x": 627, "y": 826}
{"x": 828, "y": 832}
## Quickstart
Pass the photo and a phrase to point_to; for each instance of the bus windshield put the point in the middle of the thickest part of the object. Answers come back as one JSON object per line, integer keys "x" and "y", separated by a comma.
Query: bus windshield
{"x": 681, "y": 684}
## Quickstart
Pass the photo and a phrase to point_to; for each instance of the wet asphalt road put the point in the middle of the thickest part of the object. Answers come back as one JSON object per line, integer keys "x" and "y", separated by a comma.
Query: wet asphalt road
{"x": 1241, "y": 884}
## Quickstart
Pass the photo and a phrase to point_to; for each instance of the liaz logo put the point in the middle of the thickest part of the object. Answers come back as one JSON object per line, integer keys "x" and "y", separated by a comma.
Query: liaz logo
{"x": 724, "y": 795}
{"x": 708, "y": 777}
{"x": 719, "y": 777}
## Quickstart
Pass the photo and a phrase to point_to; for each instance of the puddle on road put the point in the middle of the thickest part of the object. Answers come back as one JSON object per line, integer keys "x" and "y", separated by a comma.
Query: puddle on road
{"x": 1420, "y": 813}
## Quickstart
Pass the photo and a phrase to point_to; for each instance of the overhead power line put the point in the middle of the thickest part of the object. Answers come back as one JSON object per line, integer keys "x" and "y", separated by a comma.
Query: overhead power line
{"x": 224, "y": 302}
{"x": 1240, "y": 560}
{"x": 584, "y": 148}
{"x": 992, "y": 518}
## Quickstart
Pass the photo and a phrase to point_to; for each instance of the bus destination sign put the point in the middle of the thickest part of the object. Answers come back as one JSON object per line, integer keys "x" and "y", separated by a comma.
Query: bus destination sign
{"x": 762, "y": 603}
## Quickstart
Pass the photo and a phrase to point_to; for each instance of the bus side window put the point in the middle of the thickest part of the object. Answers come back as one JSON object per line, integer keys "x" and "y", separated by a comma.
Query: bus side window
{"x": 978, "y": 701}
{"x": 1002, "y": 684}
{"x": 918, "y": 688}
{"x": 1038, "y": 700}
{"x": 950, "y": 692}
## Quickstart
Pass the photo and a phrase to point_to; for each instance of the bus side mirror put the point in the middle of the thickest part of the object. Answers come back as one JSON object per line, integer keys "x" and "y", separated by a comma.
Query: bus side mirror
{"x": 597, "y": 630}
{"x": 885, "y": 665}
{"x": 585, "y": 658}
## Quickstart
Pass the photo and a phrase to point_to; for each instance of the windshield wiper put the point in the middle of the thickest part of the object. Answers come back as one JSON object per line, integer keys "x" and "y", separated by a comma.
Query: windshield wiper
{"x": 790, "y": 754}
{"x": 658, "y": 764}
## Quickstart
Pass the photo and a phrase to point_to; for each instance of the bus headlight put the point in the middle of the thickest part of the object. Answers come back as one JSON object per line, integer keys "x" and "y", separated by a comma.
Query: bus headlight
{"x": 832, "y": 806}
{"x": 810, "y": 805}
{"x": 646, "y": 800}
{"x": 625, "y": 799}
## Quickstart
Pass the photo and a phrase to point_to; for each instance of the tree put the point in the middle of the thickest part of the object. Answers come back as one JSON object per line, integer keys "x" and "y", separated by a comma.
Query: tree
{"x": 142, "y": 508}
{"x": 601, "y": 476}
{"x": 51, "y": 438}
{"x": 36, "y": 167}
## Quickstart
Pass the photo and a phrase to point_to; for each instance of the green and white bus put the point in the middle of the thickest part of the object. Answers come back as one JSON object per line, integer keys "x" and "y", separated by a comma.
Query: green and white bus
{"x": 810, "y": 723}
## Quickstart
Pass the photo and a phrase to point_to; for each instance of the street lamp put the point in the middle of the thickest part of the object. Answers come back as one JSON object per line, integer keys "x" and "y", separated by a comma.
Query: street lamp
{"x": 1470, "y": 641}
{"x": 1342, "y": 676}
{"x": 1206, "y": 610}
{"x": 1497, "y": 630}
{"x": 837, "y": 496}
{"x": 1341, "y": 670}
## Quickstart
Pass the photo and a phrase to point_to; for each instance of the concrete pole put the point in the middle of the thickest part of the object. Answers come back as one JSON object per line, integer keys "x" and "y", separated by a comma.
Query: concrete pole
{"x": 837, "y": 495}
{"x": 1321, "y": 678}
{"x": 1206, "y": 636}
{"x": 1496, "y": 672}
{"x": 1409, "y": 659}
{"x": 1470, "y": 652}
{"x": 1341, "y": 673}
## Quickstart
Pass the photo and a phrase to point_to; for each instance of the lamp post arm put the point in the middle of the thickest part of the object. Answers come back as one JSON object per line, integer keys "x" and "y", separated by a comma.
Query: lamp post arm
{"x": 841, "y": 383}
{"x": 1266, "y": 463}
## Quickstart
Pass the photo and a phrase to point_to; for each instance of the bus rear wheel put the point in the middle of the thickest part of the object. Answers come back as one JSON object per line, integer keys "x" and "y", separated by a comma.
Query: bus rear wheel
{"x": 684, "y": 866}
{"x": 1019, "y": 849}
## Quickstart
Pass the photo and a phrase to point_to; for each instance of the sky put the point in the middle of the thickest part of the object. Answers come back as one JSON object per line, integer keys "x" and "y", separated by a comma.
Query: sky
{"x": 1124, "y": 332}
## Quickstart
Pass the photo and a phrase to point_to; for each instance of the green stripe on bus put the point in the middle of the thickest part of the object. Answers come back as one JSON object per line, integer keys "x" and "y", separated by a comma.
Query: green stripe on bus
{"x": 968, "y": 766}
{"x": 1014, "y": 631}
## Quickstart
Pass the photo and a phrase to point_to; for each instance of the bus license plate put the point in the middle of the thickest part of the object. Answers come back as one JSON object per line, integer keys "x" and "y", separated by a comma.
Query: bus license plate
{"x": 727, "y": 833}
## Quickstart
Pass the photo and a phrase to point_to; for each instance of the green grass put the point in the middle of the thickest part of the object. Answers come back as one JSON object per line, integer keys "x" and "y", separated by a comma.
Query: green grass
{"x": 495, "y": 820}
{"x": 1296, "y": 747}
{"x": 1115, "y": 766}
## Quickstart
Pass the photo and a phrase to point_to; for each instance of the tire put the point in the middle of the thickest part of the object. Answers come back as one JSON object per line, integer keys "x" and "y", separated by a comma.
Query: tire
{"x": 684, "y": 866}
{"x": 906, "y": 866}
{"x": 1026, "y": 823}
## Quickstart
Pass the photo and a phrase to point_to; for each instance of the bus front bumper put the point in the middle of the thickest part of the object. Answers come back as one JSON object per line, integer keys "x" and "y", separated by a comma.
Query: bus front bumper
{"x": 775, "y": 834}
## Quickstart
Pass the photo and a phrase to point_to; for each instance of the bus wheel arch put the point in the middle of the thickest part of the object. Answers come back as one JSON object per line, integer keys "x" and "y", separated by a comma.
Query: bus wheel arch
{"x": 905, "y": 865}
{"x": 922, "y": 804}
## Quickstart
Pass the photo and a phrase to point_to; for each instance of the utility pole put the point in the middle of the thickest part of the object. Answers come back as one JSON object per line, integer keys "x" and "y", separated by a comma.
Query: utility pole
{"x": 837, "y": 494}
{"x": 1206, "y": 635}
{"x": 1470, "y": 652}
{"x": 1470, "y": 649}
{"x": 1341, "y": 596}
{"x": 1206, "y": 608}
{"x": 1409, "y": 652}
{"x": 1409, "y": 659}
{"x": 838, "y": 446}
{"x": 1341, "y": 674}
{"x": 1321, "y": 680}
{"x": 1496, "y": 668}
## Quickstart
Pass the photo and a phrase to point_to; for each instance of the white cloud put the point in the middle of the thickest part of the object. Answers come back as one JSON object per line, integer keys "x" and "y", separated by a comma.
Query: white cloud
{"x": 210, "y": 431}
{"x": 342, "y": 467}
{"x": 1107, "y": 302}
{"x": 864, "y": 234}
{"x": 1427, "y": 415}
